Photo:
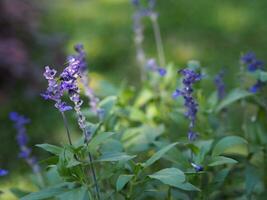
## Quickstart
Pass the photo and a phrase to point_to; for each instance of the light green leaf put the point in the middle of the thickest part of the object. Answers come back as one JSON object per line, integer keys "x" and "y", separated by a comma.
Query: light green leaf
{"x": 169, "y": 176}
{"x": 232, "y": 97}
{"x": 261, "y": 75}
{"x": 108, "y": 103}
{"x": 115, "y": 156}
{"x": 46, "y": 193}
{"x": 122, "y": 181}
{"x": 98, "y": 139}
{"x": 226, "y": 143}
{"x": 50, "y": 148}
{"x": 138, "y": 139}
{"x": 158, "y": 155}
{"x": 221, "y": 160}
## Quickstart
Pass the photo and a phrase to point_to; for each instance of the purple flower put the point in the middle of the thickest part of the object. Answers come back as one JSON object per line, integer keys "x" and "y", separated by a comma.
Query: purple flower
{"x": 198, "y": 168}
{"x": 153, "y": 66}
{"x": 219, "y": 83}
{"x": 55, "y": 89}
{"x": 136, "y": 3}
{"x": 192, "y": 136}
{"x": 252, "y": 63}
{"x": 22, "y": 139}
{"x": 190, "y": 77}
{"x": 256, "y": 87}
{"x": 3, "y": 172}
{"x": 162, "y": 71}
{"x": 248, "y": 57}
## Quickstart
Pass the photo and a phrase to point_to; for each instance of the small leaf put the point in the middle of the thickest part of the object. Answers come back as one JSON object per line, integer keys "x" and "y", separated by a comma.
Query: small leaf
{"x": 115, "y": 156}
{"x": 169, "y": 176}
{"x": 232, "y": 97}
{"x": 226, "y": 143}
{"x": 122, "y": 181}
{"x": 98, "y": 139}
{"x": 51, "y": 148}
{"x": 158, "y": 155}
{"x": 221, "y": 160}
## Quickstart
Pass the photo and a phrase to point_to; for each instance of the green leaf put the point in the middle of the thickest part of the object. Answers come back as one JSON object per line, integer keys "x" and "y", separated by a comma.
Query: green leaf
{"x": 139, "y": 139}
{"x": 232, "y": 97}
{"x": 50, "y": 148}
{"x": 169, "y": 176}
{"x": 219, "y": 178}
{"x": 107, "y": 104}
{"x": 261, "y": 75}
{"x": 221, "y": 160}
{"x": 115, "y": 156}
{"x": 46, "y": 193}
{"x": 158, "y": 155}
{"x": 226, "y": 143}
{"x": 18, "y": 192}
{"x": 77, "y": 194}
{"x": 98, "y": 139}
{"x": 122, "y": 181}
{"x": 187, "y": 186}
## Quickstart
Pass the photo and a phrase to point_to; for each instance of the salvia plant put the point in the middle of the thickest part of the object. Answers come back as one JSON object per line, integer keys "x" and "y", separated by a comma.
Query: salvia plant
{"x": 168, "y": 139}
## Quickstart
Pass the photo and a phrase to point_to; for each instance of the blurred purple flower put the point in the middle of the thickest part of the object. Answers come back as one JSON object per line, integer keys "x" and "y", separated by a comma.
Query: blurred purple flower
{"x": 22, "y": 139}
{"x": 256, "y": 87}
{"x": 252, "y": 63}
{"x": 3, "y": 172}
{"x": 153, "y": 66}
{"x": 219, "y": 83}
{"x": 198, "y": 168}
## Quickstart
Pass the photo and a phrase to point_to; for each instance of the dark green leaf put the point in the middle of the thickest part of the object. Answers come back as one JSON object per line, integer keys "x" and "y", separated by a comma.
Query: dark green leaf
{"x": 232, "y": 97}
{"x": 122, "y": 181}
{"x": 51, "y": 148}
{"x": 169, "y": 176}
{"x": 115, "y": 156}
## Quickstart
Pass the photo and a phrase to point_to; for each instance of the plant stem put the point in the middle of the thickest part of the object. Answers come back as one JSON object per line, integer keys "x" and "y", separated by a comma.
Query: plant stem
{"x": 94, "y": 175}
{"x": 66, "y": 127}
{"x": 158, "y": 39}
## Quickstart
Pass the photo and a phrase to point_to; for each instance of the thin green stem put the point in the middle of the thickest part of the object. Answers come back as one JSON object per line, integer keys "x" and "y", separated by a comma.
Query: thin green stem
{"x": 158, "y": 39}
{"x": 94, "y": 175}
{"x": 66, "y": 127}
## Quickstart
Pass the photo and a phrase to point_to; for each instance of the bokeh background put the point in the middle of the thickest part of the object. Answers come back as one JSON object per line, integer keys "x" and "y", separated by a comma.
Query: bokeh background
{"x": 38, "y": 33}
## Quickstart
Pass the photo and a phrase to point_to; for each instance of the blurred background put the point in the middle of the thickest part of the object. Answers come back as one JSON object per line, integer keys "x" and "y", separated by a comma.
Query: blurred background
{"x": 38, "y": 33}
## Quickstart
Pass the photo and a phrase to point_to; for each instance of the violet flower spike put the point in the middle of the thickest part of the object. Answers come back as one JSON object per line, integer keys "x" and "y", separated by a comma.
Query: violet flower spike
{"x": 22, "y": 139}
{"x": 190, "y": 77}
{"x": 93, "y": 100}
